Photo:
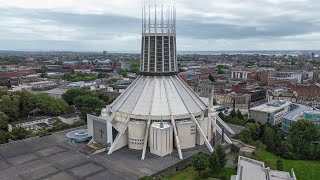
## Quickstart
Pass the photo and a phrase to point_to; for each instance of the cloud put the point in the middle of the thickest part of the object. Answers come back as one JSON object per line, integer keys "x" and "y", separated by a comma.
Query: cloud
{"x": 202, "y": 25}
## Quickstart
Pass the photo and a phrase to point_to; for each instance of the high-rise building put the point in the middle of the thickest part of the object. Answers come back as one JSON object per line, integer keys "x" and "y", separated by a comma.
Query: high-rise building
{"x": 158, "y": 110}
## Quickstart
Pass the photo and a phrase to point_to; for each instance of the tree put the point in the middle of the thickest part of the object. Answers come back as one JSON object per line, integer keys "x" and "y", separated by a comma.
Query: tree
{"x": 280, "y": 164}
{"x": 304, "y": 130}
{"x": 214, "y": 162}
{"x": 103, "y": 75}
{"x": 301, "y": 135}
{"x": 250, "y": 134}
{"x": 239, "y": 115}
{"x": 135, "y": 66}
{"x": 233, "y": 113}
{"x": 71, "y": 94}
{"x": 4, "y": 136}
{"x": 123, "y": 72}
{"x": 286, "y": 150}
{"x": 19, "y": 133}
{"x": 10, "y": 106}
{"x": 221, "y": 115}
{"x": 89, "y": 104}
{"x": 200, "y": 162}
{"x": 26, "y": 104}
{"x": 49, "y": 105}
{"x": 211, "y": 78}
{"x": 3, "y": 122}
{"x": 268, "y": 138}
{"x": 221, "y": 155}
{"x": 214, "y": 102}
{"x": 220, "y": 71}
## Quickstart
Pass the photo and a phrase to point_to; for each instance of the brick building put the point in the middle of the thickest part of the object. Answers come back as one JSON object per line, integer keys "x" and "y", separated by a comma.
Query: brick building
{"x": 306, "y": 90}
{"x": 256, "y": 92}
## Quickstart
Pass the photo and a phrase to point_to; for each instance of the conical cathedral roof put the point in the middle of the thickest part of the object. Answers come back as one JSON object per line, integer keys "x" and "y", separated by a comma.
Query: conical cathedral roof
{"x": 158, "y": 96}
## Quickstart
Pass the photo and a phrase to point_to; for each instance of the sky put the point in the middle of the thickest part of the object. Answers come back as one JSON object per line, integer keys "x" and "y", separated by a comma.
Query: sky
{"x": 202, "y": 25}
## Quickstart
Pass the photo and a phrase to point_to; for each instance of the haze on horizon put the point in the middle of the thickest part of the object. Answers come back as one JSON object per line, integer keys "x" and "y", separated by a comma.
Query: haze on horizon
{"x": 115, "y": 25}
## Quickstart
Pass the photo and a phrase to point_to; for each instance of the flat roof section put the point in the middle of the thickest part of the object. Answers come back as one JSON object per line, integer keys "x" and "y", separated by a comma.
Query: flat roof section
{"x": 274, "y": 106}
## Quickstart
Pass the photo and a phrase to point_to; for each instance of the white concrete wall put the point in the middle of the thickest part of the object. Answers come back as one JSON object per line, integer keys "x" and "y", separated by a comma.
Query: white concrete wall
{"x": 123, "y": 141}
{"x": 161, "y": 140}
{"x": 259, "y": 116}
{"x": 186, "y": 134}
{"x": 90, "y": 126}
{"x": 204, "y": 126}
{"x": 136, "y": 132}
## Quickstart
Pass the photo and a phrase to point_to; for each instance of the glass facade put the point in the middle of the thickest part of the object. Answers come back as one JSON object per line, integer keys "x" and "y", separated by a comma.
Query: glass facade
{"x": 307, "y": 115}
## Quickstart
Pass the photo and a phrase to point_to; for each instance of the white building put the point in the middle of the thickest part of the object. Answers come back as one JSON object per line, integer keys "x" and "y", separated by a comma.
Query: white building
{"x": 250, "y": 169}
{"x": 69, "y": 118}
{"x": 237, "y": 74}
{"x": 37, "y": 123}
{"x": 158, "y": 110}
{"x": 271, "y": 112}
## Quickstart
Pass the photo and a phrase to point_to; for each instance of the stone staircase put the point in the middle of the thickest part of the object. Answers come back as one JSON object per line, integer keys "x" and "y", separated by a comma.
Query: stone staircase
{"x": 92, "y": 148}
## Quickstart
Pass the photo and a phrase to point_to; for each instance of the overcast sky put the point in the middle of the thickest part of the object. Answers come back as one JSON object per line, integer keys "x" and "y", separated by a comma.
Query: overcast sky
{"x": 114, "y": 25}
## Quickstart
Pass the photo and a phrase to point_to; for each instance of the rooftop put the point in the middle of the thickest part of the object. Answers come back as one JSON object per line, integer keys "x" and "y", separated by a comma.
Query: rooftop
{"x": 249, "y": 169}
{"x": 158, "y": 125}
{"x": 66, "y": 116}
{"x": 31, "y": 119}
{"x": 297, "y": 113}
{"x": 160, "y": 96}
{"x": 271, "y": 106}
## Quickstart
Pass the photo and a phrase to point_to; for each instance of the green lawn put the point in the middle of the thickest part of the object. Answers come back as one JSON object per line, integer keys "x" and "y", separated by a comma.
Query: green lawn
{"x": 190, "y": 174}
{"x": 302, "y": 168}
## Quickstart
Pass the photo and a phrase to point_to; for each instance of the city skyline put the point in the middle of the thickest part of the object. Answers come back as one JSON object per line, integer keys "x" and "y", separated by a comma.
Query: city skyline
{"x": 202, "y": 26}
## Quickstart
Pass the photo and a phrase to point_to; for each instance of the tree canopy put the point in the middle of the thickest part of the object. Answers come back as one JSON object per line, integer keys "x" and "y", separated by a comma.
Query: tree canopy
{"x": 3, "y": 121}
{"x": 71, "y": 94}
{"x": 200, "y": 162}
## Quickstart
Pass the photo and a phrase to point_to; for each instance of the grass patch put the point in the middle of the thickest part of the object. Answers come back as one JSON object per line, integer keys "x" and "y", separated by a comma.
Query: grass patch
{"x": 304, "y": 169}
{"x": 190, "y": 174}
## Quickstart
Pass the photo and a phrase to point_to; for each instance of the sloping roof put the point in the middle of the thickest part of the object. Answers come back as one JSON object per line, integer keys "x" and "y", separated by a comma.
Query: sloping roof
{"x": 157, "y": 96}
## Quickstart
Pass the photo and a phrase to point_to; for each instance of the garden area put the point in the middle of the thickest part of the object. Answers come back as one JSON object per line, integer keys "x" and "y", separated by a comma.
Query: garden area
{"x": 296, "y": 149}
{"x": 235, "y": 117}
{"x": 207, "y": 166}
{"x": 304, "y": 169}
{"x": 190, "y": 174}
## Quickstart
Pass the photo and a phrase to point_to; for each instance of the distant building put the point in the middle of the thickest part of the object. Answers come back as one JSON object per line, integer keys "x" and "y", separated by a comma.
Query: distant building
{"x": 69, "y": 118}
{"x": 56, "y": 92}
{"x": 55, "y": 75}
{"x": 204, "y": 90}
{"x": 271, "y": 112}
{"x": 256, "y": 92}
{"x": 237, "y": 74}
{"x": 297, "y": 113}
{"x": 262, "y": 76}
{"x": 282, "y": 94}
{"x": 32, "y": 124}
{"x": 250, "y": 169}
{"x": 43, "y": 85}
{"x": 281, "y": 82}
{"x": 240, "y": 99}
{"x": 306, "y": 90}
